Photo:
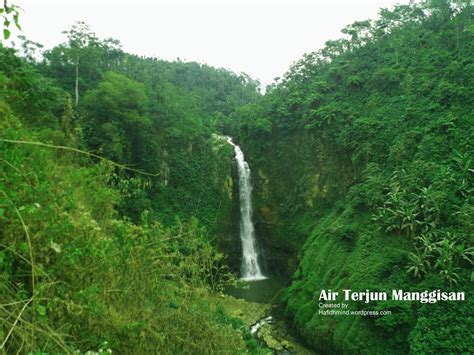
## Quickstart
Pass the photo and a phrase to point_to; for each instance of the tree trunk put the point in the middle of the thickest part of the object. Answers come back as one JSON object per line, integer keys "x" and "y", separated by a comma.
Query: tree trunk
{"x": 77, "y": 83}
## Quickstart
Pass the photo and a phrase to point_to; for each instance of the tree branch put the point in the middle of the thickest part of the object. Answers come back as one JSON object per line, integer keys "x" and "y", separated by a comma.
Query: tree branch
{"x": 78, "y": 151}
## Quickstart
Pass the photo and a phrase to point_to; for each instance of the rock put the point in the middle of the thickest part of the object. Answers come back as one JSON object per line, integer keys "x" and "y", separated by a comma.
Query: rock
{"x": 265, "y": 334}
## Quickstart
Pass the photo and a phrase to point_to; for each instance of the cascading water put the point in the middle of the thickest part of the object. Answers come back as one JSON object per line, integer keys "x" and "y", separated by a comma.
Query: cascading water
{"x": 250, "y": 268}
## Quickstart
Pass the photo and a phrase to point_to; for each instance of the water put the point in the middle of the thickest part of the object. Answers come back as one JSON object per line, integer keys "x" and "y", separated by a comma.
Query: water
{"x": 263, "y": 291}
{"x": 254, "y": 329}
{"x": 250, "y": 268}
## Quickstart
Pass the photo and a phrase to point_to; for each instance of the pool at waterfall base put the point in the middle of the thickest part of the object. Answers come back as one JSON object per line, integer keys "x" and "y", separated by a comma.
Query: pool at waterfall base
{"x": 264, "y": 290}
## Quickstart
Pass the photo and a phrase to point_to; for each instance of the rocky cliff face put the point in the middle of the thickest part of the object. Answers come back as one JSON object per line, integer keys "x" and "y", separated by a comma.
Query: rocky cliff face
{"x": 300, "y": 177}
{"x": 227, "y": 217}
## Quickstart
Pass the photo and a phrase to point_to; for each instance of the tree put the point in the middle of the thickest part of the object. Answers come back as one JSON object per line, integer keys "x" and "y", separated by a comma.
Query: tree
{"x": 29, "y": 49}
{"x": 68, "y": 116}
{"x": 358, "y": 32}
{"x": 117, "y": 121}
{"x": 83, "y": 46}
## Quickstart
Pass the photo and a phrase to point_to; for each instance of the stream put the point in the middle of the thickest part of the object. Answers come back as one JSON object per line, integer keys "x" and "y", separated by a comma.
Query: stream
{"x": 270, "y": 328}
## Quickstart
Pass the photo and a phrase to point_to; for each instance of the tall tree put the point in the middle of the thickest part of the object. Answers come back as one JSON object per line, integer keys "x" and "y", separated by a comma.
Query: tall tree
{"x": 83, "y": 45}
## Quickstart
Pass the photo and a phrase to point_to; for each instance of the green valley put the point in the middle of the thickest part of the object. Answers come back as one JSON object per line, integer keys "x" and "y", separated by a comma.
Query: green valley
{"x": 131, "y": 224}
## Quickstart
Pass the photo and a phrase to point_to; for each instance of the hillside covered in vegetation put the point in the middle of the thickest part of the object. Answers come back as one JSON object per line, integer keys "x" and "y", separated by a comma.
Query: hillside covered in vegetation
{"x": 114, "y": 192}
{"x": 363, "y": 158}
{"x": 118, "y": 204}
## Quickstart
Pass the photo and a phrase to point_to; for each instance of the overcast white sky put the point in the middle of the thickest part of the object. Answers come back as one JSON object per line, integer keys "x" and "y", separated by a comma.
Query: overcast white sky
{"x": 259, "y": 37}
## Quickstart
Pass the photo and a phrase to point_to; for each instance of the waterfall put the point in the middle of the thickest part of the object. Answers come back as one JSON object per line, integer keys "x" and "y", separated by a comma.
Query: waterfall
{"x": 250, "y": 268}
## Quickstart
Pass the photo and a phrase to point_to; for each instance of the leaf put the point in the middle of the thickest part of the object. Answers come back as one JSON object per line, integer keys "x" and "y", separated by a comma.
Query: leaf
{"x": 17, "y": 23}
{"x": 6, "y": 33}
{"x": 23, "y": 247}
{"x": 2, "y": 212}
{"x": 41, "y": 310}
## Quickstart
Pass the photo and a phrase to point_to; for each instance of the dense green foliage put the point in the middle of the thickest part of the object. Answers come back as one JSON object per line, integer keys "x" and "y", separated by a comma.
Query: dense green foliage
{"x": 95, "y": 254}
{"x": 153, "y": 115}
{"x": 115, "y": 191}
{"x": 367, "y": 147}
